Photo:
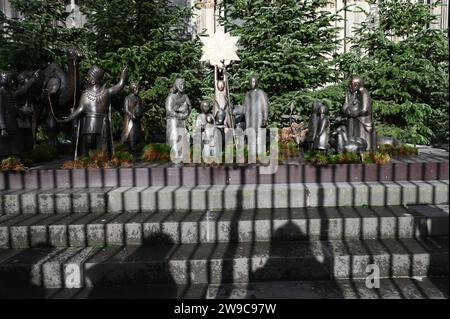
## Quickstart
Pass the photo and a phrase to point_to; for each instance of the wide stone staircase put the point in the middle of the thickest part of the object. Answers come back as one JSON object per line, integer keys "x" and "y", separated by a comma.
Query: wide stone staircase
{"x": 266, "y": 240}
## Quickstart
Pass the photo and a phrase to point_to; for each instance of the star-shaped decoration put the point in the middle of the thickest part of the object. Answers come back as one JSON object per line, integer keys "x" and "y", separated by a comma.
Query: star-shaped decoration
{"x": 219, "y": 46}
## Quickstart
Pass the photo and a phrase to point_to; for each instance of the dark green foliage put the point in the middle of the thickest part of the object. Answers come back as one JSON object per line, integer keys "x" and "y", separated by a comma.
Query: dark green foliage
{"x": 405, "y": 65}
{"x": 156, "y": 152}
{"x": 123, "y": 156}
{"x": 403, "y": 150}
{"x": 149, "y": 35}
{"x": 31, "y": 42}
{"x": 320, "y": 158}
{"x": 41, "y": 153}
{"x": 288, "y": 44}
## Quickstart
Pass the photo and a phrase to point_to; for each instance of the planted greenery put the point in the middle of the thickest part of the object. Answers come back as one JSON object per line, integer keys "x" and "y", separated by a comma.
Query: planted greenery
{"x": 12, "y": 164}
{"x": 320, "y": 158}
{"x": 157, "y": 152}
{"x": 403, "y": 150}
{"x": 40, "y": 153}
{"x": 288, "y": 150}
{"x": 99, "y": 159}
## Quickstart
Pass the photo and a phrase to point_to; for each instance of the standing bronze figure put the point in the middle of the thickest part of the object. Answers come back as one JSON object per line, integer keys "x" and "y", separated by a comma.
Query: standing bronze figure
{"x": 94, "y": 112}
{"x": 358, "y": 110}
{"x": 26, "y": 107}
{"x": 9, "y": 130}
{"x": 178, "y": 108}
{"x": 256, "y": 105}
{"x": 133, "y": 112}
{"x": 318, "y": 135}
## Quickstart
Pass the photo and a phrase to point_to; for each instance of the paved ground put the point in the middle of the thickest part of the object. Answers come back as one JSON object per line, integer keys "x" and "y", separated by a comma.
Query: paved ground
{"x": 418, "y": 288}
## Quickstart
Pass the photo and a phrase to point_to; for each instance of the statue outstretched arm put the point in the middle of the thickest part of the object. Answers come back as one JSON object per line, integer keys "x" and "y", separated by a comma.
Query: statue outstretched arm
{"x": 75, "y": 114}
{"x": 119, "y": 86}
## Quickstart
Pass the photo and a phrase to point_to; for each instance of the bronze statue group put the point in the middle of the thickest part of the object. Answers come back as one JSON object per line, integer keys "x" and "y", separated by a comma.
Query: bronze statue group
{"x": 51, "y": 96}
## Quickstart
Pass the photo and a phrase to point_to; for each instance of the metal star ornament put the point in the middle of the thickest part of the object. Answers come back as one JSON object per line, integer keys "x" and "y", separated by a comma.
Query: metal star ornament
{"x": 218, "y": 47}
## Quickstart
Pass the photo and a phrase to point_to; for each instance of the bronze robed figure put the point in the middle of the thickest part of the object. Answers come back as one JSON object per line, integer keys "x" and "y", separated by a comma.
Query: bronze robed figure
{"x": 133, "y": 112}
{"x": 9, "y": 129}
{"x": 94, "y": 112}
{"x": 178, "y": 108}
{"x": 256, "y": 107}
{"x": 26, "y": 107}
{"x": 358, "y": 110}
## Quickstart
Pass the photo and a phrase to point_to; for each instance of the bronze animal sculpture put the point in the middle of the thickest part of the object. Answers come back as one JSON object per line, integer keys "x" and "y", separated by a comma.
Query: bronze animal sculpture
{"x": 60, "y": 93}
{"x": 345, "y": 144}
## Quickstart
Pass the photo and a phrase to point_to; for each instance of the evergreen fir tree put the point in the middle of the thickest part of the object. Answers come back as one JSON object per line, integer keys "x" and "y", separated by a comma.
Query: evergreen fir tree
{"x": 289, "y": 44}
{"x": 405, "y": 65}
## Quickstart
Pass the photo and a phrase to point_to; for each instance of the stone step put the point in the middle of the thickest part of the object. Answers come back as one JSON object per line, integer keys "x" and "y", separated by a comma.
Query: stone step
{"x": 106, "y": 229}
{"x": 399, "y": 288}
{"x": 221, "y": 197}
{"x": 188, "y": 264}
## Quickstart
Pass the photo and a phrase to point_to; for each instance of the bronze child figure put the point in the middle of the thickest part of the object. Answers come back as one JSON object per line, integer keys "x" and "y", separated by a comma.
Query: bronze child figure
{"x": 133, "y": 110}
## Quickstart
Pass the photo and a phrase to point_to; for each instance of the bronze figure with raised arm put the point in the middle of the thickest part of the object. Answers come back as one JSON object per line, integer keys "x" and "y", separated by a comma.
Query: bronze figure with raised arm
{"x": 93, "y": 112}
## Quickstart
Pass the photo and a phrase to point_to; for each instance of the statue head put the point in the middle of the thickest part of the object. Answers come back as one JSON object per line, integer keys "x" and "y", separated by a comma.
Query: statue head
{"x": 322, "y": 109}
{"x": 316, "y": 106}
{"x": 134, "y": 88}
{"x": 95, "y": 75}
{"x": 221, "y": 85}
{"x": 73, "y": 54}
{"x": 205, "y": 107}
{"x": 210, "y": 119}
{"x": 23, "y": 77}
{"x": 254, "y": 82}
{"x": 5, "y": 79}
{"x": 356, "y": 83}
{"x": 178, "y": 86}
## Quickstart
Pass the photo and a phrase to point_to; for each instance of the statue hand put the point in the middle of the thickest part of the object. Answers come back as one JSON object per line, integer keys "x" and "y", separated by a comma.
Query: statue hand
{"x": 4, "y": 133}
{"x": 63, "y": 119}
{"x": 125, "y": 72}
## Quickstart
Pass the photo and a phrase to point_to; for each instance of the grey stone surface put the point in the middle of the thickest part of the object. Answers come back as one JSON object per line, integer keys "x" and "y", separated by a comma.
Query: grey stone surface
{"x": 224, "y": 263}
{"x": 139, "y": 199}
{"x": 98, "y": 229}
{"x": 406, "y": 288}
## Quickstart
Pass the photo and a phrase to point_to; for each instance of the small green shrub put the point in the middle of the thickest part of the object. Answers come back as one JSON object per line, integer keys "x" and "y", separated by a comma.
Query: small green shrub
{"x": 12, "y": 164}
{"x": 41, "y": 153}
{"x": 156, "y": 152}
{"x": 404, "y": 150}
